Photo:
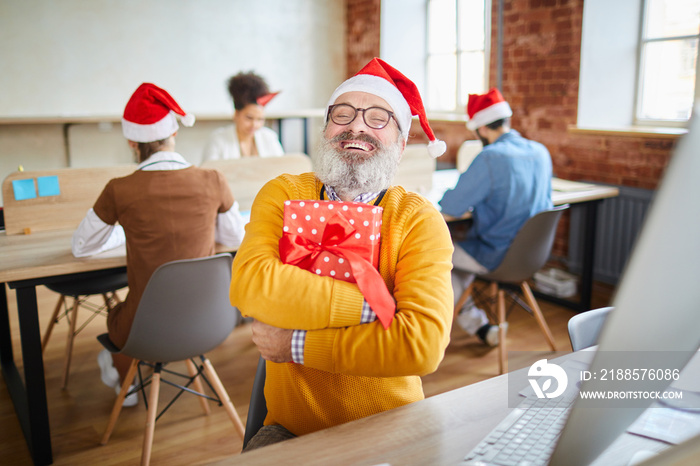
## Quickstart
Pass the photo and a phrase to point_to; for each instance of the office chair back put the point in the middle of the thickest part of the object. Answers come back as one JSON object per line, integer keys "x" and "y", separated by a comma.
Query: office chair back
{"x": 257, "y": 410}
{"x": 530, "y": 248}
{"x": 184, "y": 311}
{"x": 585, "y": 327}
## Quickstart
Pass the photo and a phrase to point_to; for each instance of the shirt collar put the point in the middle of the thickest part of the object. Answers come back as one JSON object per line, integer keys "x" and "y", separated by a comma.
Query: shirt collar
{"x": 164, "y": 161}
{"x": 511, "y": 133}
{"x": 365, "y": 198}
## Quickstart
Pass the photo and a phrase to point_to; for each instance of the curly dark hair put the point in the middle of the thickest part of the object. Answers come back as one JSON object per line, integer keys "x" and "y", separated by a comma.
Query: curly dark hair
{"x": 245, "y": 88}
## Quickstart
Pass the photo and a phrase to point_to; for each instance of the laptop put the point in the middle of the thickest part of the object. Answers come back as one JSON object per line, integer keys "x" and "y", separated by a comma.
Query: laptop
{"x": 656, "y": 313}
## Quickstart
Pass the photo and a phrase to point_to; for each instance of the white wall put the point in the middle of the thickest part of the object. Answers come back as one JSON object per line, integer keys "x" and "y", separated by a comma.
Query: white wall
{"x": 403, "y": 38}
{"x": 78, "y": 58}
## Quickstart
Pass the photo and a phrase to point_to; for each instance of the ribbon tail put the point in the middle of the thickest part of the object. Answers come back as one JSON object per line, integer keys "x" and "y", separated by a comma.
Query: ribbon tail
{"x": 372, "y": 286}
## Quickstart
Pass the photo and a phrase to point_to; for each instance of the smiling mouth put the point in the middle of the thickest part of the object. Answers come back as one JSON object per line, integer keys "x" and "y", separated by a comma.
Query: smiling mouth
{"x": 357, "y": 145}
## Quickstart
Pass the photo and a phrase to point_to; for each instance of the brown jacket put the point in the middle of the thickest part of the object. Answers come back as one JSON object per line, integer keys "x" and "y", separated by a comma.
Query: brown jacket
{"x": 167, "y": 215}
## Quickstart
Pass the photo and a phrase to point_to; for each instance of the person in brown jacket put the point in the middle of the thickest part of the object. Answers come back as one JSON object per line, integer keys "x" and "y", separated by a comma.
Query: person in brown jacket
{"x": 167, "y": 210}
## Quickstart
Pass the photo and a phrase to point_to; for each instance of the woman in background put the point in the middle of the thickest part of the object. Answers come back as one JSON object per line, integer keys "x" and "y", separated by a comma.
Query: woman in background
{"x": 246, "y": 137}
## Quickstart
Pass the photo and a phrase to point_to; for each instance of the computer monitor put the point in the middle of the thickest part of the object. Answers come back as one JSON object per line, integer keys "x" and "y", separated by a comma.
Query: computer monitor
{"x": 656, "y": 306}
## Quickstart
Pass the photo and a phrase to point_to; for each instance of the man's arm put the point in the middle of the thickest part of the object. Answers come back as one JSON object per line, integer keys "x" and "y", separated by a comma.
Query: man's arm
{"x": 415, "y": 342}
{"x": 283, "y": 295}
{"x": 473, "y": 186}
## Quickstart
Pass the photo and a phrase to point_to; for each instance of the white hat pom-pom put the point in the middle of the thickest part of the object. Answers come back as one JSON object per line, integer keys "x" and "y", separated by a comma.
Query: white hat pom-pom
{"x": 188, "y": 119}
{"x": 436, "y": 148}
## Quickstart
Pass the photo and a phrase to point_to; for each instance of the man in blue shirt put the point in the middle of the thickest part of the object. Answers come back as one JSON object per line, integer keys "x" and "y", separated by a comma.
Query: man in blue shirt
{"x": 508, "y": 182}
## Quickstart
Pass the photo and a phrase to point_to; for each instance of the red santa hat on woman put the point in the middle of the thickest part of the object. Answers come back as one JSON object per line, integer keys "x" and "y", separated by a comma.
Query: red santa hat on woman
{"x": 483, "y": 109}
{"x": 380, "y": 79}
{"x": 150, "y": 115}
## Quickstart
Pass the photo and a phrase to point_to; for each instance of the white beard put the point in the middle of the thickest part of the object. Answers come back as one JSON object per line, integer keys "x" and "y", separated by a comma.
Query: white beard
{"x": 350, "y": 178}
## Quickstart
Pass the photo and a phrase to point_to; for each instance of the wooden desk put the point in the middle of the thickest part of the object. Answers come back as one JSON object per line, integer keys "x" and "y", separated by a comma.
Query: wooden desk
{"x": 439, "y": 430}
{"x": 29, "y": 261}
{"x": 563, "y": 191}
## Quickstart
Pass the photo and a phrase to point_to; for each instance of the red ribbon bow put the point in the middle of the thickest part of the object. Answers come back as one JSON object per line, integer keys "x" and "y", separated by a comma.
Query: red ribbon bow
{"x": 302, "y": 252}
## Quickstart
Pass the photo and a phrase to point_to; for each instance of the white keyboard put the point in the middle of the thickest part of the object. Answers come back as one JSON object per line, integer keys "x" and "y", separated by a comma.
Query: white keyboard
{"x": 526, "y": 436}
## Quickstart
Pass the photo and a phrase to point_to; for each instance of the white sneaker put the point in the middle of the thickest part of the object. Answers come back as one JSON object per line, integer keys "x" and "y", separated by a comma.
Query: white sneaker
{"x": 108, "y": 373}
{"x": 130, "y": 400}
{"x": 492, "y": 336}
{"x": 471, "y": 319}
{"x": 489, "y": 334}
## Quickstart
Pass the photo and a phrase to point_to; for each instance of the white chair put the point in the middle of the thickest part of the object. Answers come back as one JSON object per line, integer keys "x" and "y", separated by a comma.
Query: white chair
{"x": 584, "y": 328}
{"x": 183, "y": 313}
{"x": 467, "y": 152}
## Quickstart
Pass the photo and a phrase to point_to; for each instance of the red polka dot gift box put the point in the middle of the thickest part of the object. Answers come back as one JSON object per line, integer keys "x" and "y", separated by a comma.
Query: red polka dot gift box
{"x": 339, "y": 240}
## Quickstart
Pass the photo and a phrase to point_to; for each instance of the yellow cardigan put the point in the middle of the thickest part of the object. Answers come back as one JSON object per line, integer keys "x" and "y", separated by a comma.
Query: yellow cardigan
{"x": 350, "y": 370}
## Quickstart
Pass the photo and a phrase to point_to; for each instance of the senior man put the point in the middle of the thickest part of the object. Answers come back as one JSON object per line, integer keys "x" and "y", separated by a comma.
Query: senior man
{"x": 329, "y": 360}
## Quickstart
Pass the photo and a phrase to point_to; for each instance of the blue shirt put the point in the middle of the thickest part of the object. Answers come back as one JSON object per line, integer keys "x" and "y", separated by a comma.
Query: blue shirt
{"x": 506, "y": 184}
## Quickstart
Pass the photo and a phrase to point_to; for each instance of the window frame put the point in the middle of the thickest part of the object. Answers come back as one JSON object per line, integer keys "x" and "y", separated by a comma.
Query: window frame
{"x": 642, "y": 41}
{"x": 459, "y": 53}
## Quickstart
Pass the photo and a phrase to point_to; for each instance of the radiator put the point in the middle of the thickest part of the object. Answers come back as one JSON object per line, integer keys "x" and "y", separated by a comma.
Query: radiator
{"x": 619, "y": 221}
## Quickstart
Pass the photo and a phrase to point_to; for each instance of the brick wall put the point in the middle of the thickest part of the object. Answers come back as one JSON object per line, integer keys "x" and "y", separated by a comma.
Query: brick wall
{"x": 541, "y": 56}
{"x": 362, "y": 40}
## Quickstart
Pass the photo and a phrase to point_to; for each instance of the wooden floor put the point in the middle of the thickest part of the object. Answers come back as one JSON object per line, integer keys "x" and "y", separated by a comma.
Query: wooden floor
{"x": 78, "y": 415}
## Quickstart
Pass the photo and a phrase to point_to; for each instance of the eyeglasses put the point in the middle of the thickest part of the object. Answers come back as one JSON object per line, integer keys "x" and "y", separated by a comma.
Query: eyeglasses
{"x": 374, "y": 117}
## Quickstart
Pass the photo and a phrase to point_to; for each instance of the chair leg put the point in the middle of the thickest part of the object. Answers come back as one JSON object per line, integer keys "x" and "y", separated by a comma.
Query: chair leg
{"x": 223, "y": 396}
{"x": 502, "y": 326}
{"x": 69, "y": 341}
{"x": 151, "y": 417}
{"x": 109, "y": 299}
{"x": 120, "y": 401}
{"x": 198, "y": 386}
{"x": 492, "y": 303}
{"x": 463, "y": 299}
{"x": 530, "y": 297}
{"x": 52, "y": 322}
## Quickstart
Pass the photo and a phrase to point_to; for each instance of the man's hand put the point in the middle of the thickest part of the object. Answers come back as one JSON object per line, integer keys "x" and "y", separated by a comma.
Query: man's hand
{"x": 274, "y": 344}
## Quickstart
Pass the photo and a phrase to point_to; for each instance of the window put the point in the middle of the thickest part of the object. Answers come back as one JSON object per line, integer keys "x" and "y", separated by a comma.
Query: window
{"x": 638, "y": 64}
{"x": 667, "y": 77}
{"x": 458, "y": 34}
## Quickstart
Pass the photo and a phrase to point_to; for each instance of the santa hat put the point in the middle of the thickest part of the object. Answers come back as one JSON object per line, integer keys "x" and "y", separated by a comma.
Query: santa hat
{"x": 150, "y": 115}
{"x": 265, "y": 99}
{"x": 483, "y": 109}
{"x": 380, "y": 79}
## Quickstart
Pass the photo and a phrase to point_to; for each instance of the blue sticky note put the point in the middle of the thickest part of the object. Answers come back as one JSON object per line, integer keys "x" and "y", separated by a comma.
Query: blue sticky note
{"x": 24, "y": 189}
{"x": 48, "y": 186}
